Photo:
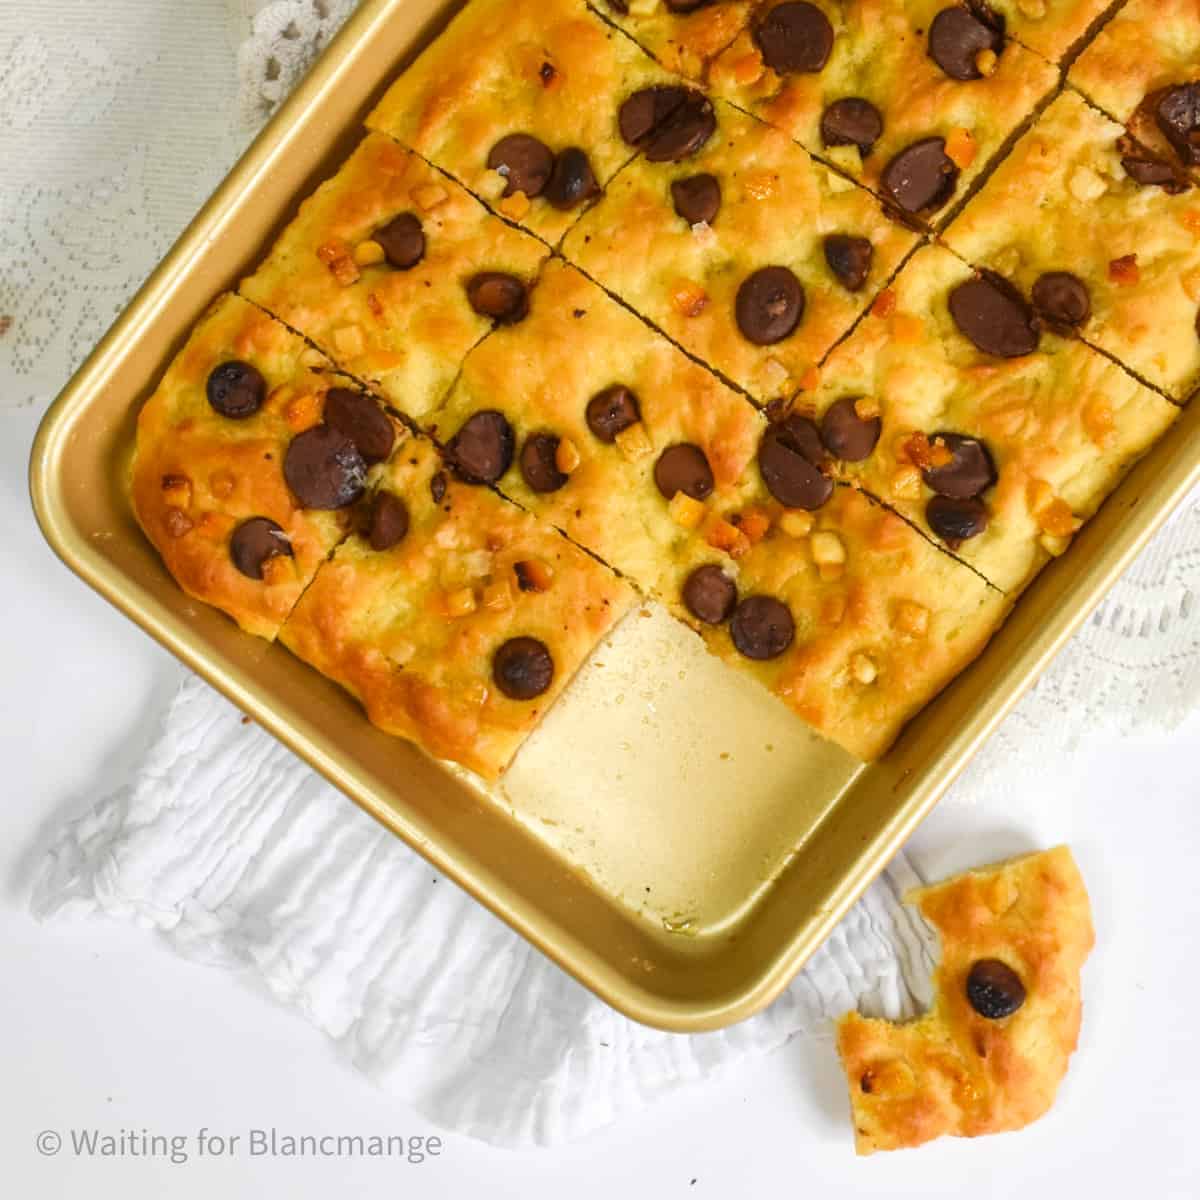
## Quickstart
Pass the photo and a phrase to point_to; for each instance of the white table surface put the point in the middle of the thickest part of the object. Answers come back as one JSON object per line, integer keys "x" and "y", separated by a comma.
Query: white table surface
{"x": 100, "y": 1027}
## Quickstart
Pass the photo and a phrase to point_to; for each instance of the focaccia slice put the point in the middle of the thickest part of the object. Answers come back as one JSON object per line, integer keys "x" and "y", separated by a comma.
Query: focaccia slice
{"x": 242, "y": 418}
{"x": 387, "y": 269}
{"x": 990, "y": 1055}
{"x": 454, "y": 617}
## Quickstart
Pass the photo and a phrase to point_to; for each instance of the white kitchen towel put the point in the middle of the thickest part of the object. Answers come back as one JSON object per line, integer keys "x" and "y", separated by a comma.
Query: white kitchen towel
{"x": 242, "y": 857}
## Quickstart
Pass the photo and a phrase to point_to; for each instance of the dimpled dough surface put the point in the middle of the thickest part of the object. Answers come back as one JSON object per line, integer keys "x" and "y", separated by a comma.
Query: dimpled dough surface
{"x": 1062, "y": 424}
{"x": 1063, "y": 201}
{"x": 777, "y": 208}
{"x": 404, "y": 331}
{"x": 956, "y": 1072}
{"x": 198, "y": 475}
{"x": 413, "y": 630}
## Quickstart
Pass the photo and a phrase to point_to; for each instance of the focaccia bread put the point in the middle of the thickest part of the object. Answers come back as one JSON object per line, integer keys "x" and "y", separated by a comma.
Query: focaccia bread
{"x": 235, "y": 422}
{"x": 846, "y": 613}
{"x": 749, "y": 254}
{"x": 382, "y": 269}
{"x": 683, "y": 35}
{"x": 1000, "y": 443}
{"x": 454, "y": 617}
{"x": 551, "y": 72}
{"x": 1115, "y": 259}
{"x": 990, "y": 1055}
{"x": 1148, "y": 54}
{"x": 857, "y": 83}
{"x": 581, "y": 411}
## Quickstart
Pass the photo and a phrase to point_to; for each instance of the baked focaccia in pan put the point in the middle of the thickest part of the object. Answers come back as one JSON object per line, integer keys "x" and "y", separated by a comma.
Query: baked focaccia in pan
{"x": 912, "y": 97}
{"x": 249, "y": 455}
{"x": 453, "y": 616}
{"x": 396, "y": 272}
{"x": 749, "y": 254}
{"x": 987, "y": 429}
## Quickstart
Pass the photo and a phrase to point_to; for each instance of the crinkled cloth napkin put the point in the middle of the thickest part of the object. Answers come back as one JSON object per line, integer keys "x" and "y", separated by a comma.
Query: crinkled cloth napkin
{"x": 242, "y": 857}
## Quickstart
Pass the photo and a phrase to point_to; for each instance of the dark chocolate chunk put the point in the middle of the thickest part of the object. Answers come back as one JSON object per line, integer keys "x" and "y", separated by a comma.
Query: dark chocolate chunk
{"x": 922, "y": 177}
{"x": 970, "y": 472}
{"x": 324, "y": 468}
{"x": 502, "y": 297}
{"x": 572, "y": 181}
{"x": 794, "y": 38}
{"x": 236, "y": 390}
{"x": 994, "y": 317}
{"x": 667, "y": 122}
{"x": 253, "y": 542}
{"x": 1148, "y": 169}
{"x": 684, "y": 468}
{"x": 539, "y": 465}
{"x": 956, "y": 521}
{"x": 684, "y": 132}
{"x": 362, "y": 420}
{"x": 847, "y": 435}
{"x": 525, "y": 162}
{"x": 387, "y": 525}
{"x": 710, "y": 595}
{"x": 762, "y": 628}
{"x": 849, "y": 258}
{"x": 852, "y": 121}
{"x": 523, "y": 668}
{"x": 437, "y": 487}
{"x": 994, "y": 989}
{"x": 1062, "y": 299}
{"x": 769, "y": 305}
{"x": 614, "y": 409}
{"x": 403, "y": 241}
{"x": 697, "y": 198}
{"x": 1177, "y": 114}
{"x": 482, "y": 450}
{"x": 958, "y": 34}
{"x": 790, "y": 457}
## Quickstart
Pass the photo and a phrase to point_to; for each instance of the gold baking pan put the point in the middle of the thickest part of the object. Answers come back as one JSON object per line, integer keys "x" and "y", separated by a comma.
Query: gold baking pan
{"x": 671, "y": 836}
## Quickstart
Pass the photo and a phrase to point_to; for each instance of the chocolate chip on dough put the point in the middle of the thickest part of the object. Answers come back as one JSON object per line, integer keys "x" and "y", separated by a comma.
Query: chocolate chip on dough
{"x": 957, "y": 36}
{"x": 236, "y": 390}
{"x": 994, "y": 317}
{"x": 794, "y": 38}
{"x": 922, "y": 177}
{"x": 710, "y": 595}
{"x": 994, "y": 989}
{"x": 523, "y": 668}
{"x": 769, "y": 305}
{"x": 525, "y": 162}
{"x": 762, "y": 628}
{"x": 684, "y": 468}
{"x": 324, "y": 468}
{"x": 482, "y": 450}
{"x": 253, "y": 542}
{"x": 852, "y": 121}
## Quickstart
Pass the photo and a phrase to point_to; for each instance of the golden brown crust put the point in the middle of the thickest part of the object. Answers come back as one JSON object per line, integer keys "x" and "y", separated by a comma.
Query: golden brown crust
{"x": 777, "y": 208}
{"x": 1062, "y": 201}
{"x": 1062, "y": 424}
{"x": 880, "y": 54}
{"x": 683, "y": 42}
{"x": 198, "y": 475}
{"x": 549, "y": 68}
{"x": 405, "y": 331}
{"x": 954, "y": 1072}
{"x": 412, "y": 631}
